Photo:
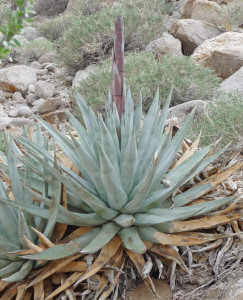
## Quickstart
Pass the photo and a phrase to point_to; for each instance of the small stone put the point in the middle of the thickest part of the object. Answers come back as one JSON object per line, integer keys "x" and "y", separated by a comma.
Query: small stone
{"x": 8, "y": 95}
{"x": 230, "y": 185}
{"x": 50, "y": 67}
{"x": 31, "y": 98}
{"x": 44, "y": 77}
{"x": 2, "y": 99}
{"x": 44, "y": 89}
{"x": 13, "y": 113}
{"x": 50, "y": 104}
{"x": 42, "y": 72}
{"x": 37, "y": 104}
{"x": 36, "y": 65}
{"x": 24, "y": 111}
{"x": 17, "y": 96}
{"x": 31, "y": 88}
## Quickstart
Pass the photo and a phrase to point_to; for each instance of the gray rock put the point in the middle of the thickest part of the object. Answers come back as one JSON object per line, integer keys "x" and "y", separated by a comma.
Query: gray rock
{"x": 2, "y": 99}
{"x": 163, "y": 45}
{"x": 17, "y": 96}
{"x": 44, "y": 77}
{"x": 7, "y": 122}
{"x": 17, "y": 78}
{"x": 44, "y": 89}
{"x": 233, "y": 84}
{"x": 31, "y": 33}
{"x": 31, "y": 98}
{"x": 182, "y": 111}
{"x": 50, "y": 67}
{"x": 224, "y": 53}
{"x": 36, "y": 104}
{"x": 61, "y": 72}
{"x": 36, "y": 65}
{"x": 24, "y": 111}
{"x": 13, "y": 113}
{"x": 42, "y": 72}
{"x": 83, "y": 74}
{"x": 193, "y": 33}
{"x": 48, "y": 57}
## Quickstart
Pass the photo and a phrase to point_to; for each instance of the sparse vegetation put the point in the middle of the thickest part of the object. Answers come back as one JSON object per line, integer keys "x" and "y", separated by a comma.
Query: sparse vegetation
{"x": 223, "y": 119}
{"x": 145, "y": 73}
{"x": 89, "y": 38}
{"x": 233, "y": 14}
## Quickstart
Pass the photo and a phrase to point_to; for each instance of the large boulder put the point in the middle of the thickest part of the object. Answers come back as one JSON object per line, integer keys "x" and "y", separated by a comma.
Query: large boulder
{"x": 83, "y": 74}
{"x": 17, "y": 78}
{"x": 163, "y": 45}
{"x": 233, "y": 84}
{"x": 182, "y": 111}
{"x": 186, "y": 9}
{"x": 208, "y": 11}
{"x": 193, "y": 33}
{"x": 223, "y": 53}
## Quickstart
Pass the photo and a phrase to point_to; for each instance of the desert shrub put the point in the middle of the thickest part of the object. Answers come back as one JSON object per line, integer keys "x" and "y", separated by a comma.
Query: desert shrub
{"x": 145, "y": 73}
{"x": 233, "y": 14}
{"x": 53, "y": 28}
{"x": 90, "y": 37}
{"x": 50, "y": 7}
{"x": 34, "y": 49}
{"x": 223, "y": 119}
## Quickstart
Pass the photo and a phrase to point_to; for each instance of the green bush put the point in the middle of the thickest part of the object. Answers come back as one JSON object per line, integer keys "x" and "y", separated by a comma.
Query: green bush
{"x": 145, "y": 73}
{"x": 33, "y": 50}
{"x": 53, "y": 28}
{"x": 223, "y": 119}
{"x": 90, "y": 38}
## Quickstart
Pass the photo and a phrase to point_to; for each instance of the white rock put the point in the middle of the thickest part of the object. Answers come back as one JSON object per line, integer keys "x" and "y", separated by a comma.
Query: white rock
{"x": 182, "y": 111}
{"x": 83, "y": 74}
{"x": 31, "y": 88}
{"x": 17, "y": 78}
{"x": 193, "y": 33}
{"x": 17, "y": 96}
{"x": 207, "y": 11}
{"x": 31, "y": 33}
{"x": 31, "y": 98}
{"x": 233, "y": 84}
{"x": 36, "y": 65}
{"x": 44, "y": 89}
{"x": 42, "y": 72}
{"x": 163, "y": 45}
{"x": 24, "y": 111}
{"x": 223, "y": 53}
{"x": 13, "y": 113}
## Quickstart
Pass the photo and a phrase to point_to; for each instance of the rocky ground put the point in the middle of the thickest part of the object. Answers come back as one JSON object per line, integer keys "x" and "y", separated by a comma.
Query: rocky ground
{"x": 44, "y": 88}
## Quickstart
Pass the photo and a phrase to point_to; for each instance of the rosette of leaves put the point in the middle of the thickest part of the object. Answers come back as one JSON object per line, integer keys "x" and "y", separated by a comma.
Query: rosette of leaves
{"x": 16, "y": 234}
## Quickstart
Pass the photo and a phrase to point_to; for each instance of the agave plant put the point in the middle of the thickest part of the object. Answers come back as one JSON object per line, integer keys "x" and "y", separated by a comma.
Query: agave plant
{"x": 127, "y": 193}
{"x": 16, "y": 234}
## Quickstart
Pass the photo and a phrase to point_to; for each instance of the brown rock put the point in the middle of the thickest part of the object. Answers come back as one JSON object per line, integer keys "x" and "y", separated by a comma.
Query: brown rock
{"x": 223, "y": 53}
{"x": 193, "y": 33}
{"x": 50, "y": 104}
{"x": 186, "y": 9}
